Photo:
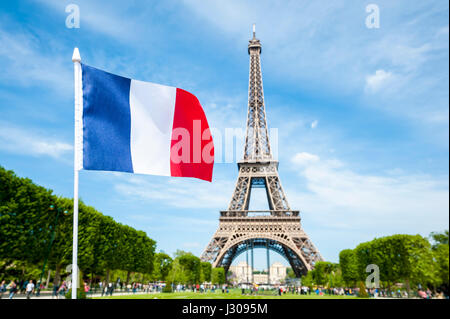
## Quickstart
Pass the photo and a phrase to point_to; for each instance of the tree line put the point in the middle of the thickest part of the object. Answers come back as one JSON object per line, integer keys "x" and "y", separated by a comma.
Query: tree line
{"x": 36, "y": 228}
{"x": 410, "y": 260}
{"x": 186, "y": 268}
{"x": 31, "y": 214}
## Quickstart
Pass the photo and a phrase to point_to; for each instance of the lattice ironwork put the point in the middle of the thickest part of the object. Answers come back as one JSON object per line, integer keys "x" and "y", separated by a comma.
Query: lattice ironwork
{"x": 257, "y": 144}
{"x": 279, "y": 228}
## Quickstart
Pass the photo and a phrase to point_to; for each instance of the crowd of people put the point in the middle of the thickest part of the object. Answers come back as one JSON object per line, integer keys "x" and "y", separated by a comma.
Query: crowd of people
{"x": 201, "y": 288}
{"x": 108, "y": 289}
{"x": 29, "y": 288}
{"x": 23, "y": 287}
{"x": 373, "y": 293}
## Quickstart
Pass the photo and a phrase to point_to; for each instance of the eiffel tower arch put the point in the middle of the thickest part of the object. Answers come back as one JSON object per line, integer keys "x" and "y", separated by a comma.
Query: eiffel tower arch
{"x": 279, "y": 228}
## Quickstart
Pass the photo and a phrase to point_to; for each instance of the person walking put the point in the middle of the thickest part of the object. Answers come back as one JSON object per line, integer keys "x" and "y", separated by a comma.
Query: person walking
{"x": 2, "y": 288}
{"x": 422, "y": 294}
{"x": 29, "y": 289}
{"x": 55, "y": 290}
{"x": 86, "y": 288}
{"x": 23, "y": 287}
{"x": 20, "y": 286}
{"x": 12, "y": 289}
{"x": 38, "y": 288}
{"x": 110, "y": 289}
{"x": 62, "y": 290}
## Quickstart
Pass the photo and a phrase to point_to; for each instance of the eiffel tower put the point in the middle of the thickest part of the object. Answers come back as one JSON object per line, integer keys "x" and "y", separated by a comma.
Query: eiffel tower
{"x": 277, "y": 229}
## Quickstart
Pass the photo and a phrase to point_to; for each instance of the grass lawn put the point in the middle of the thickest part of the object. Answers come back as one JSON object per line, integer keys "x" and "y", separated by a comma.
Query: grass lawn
{"x": 233, "y": 294}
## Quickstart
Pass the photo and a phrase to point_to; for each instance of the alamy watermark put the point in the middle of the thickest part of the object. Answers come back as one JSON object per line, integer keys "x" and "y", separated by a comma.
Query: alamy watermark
{"x": 222, "y": 145}
{"x": 73, "y": 19}
{"x": 373, "y": 280}
{"x": 69, "y": 277}
{"x": 373, "y": 19}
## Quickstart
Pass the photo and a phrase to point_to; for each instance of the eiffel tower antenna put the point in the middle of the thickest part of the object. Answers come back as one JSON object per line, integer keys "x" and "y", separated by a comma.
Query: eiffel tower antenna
{"x": 279, "y": 228}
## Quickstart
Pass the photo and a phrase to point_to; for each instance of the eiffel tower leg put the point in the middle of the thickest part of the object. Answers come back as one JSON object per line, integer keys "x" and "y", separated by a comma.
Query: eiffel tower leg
{"x": 241, "y": 195}
{"x": 268, "y": 262}
{"x": 253, "y": 265}
{"x": 214, "y": 248}
{"x": 276, "y": 193}
{"x": 246, "y": 253}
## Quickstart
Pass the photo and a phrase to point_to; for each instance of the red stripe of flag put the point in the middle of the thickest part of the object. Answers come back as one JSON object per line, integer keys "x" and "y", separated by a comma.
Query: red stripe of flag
{"x": 192, "y": 154}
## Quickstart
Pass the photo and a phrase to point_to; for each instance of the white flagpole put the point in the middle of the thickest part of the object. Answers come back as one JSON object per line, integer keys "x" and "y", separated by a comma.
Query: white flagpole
{"x": 76, "y": 59}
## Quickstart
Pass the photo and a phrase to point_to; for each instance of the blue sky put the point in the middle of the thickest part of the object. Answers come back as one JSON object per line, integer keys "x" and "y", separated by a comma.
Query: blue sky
{"x": 362, "y": 114}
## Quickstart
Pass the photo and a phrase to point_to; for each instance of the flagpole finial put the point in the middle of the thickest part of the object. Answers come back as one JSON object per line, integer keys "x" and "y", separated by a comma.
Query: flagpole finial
{"x": 76, "y": 55}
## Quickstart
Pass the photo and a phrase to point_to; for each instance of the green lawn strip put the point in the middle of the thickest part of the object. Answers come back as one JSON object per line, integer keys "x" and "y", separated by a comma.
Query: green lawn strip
{"x": 220, "y": 295}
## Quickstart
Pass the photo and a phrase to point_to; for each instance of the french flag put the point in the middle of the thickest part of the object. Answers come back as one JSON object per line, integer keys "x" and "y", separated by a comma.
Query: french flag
{"x": 141, "y": 127}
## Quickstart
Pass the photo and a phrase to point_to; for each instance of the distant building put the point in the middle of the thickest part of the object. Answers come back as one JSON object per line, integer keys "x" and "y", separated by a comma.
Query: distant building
{"x": 242, "y": 273}
{"x": 277, "y": 272}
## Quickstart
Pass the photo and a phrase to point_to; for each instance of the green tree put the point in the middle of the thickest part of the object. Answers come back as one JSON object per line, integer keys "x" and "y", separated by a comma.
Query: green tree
{"x": 191, "y": 267}
{"x": 205, "y": 272}
{"x": 405, "y": 258}
{"x": 440, "y": 251}
{"x": 218, "y": 276}
{"x": 439, "y": 238}
{"x": 362, "y": 290}
{"x": 186, "y": 268}
{"x": 337, "y": 279}
{"x": 441, "y": 257}
{"x": 349, "y": 266}
{"x": 322, "y": 272}
{"x": 24, "y": 219}
{"x": 177, "y": 274}
{"x": 308, "y": 280}
{"x": 162, "y": 266}
{"x": 290, "y": 273}
{"x": 60, "y": 254}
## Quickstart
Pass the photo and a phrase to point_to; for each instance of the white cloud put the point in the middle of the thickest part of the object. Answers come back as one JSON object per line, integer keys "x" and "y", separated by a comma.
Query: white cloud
{"x": 378, "y": 80}
{"x": 21, "y": 141}
{"x": 314, "y": 124}
{"x": 409, "y": 57}
{"x": 24, "y": 63}
{"x": 177, "y": 192}
{"x": 443, "y": 31}
{"x": 101, "y": 18}
{"x": 341, "y": 196}
{"x": 303, "y": 159}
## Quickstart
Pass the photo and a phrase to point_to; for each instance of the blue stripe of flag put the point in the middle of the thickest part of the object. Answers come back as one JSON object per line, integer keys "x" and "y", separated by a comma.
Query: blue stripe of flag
{"x": 106, "y": 121}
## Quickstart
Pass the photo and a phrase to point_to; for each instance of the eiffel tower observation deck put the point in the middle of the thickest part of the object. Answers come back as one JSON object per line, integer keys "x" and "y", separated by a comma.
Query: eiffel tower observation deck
{"x": 278, "y": 228}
